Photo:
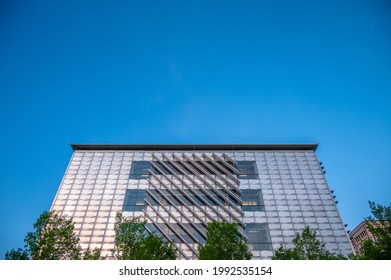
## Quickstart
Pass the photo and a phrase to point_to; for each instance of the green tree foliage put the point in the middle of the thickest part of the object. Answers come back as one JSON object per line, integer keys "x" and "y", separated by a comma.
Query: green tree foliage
{"x": 379, "y": 224}
{"x": 223, "y": 243}
{"x": 93, "y": 254}
{"x": 306, "y": 247}
{"x": 134, "y": 242}
{"x": 17, "y": 254}
{"x": 53, "y": 238}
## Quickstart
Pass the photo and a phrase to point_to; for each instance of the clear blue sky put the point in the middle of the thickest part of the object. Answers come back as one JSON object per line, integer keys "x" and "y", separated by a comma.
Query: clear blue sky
{"x": 192, "y": 72}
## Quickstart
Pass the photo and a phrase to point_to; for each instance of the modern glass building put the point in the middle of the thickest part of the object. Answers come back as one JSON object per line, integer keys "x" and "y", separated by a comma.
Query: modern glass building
{"x": 270, "y": 191}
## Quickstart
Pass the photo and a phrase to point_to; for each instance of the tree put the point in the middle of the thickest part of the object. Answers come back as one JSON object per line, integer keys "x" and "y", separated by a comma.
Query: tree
{"x": 134, "y": 242}
{"x": 17, "y": 254}
{"x": 306, "y": 247}
{"x": 379, "y": 224}
{"x": 223, "y": 243}
{"x": 93, "y": 254}
{"x": 53, "y": 239}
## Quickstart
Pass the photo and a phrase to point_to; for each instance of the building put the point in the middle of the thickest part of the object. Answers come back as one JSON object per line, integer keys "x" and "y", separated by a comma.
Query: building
{"x": 271, "y": 191}
{"x": 358, "y": 235}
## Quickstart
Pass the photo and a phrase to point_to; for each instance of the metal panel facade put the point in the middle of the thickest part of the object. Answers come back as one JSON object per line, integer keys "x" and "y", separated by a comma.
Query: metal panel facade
{"x": 293, "y": 189}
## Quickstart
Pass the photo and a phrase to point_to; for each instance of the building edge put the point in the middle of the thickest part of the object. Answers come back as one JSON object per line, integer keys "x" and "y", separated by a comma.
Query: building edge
{"x": 196, "y": 147}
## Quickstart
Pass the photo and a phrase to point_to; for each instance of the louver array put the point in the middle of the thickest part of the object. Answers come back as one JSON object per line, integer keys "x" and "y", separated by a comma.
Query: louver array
{"x": 186, "y": 192}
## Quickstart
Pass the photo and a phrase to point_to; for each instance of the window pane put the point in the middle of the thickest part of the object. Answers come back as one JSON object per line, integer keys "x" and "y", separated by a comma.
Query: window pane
{"x": 247, "y": 170}
{"x": 134, "y": 200}
{"x": 173, "y": 169}
{"x": 258, "y": 236}
{"x": 139, "y": 170}
{"x": 161, "y": 168}
{"x": 180, "y": 231}
{"x": 252, "y": 200}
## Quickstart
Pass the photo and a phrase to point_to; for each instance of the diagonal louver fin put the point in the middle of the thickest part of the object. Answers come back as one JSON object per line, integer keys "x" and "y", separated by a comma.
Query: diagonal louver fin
{"x": 229, "y": 166}
{"x": 156, "y": 225}
{"x": 210, "y": 177}
{"x": 175, "y": 218}
{"x": 189, "y": 190}
{"x": 185, "y": 195}
{"x": 183, "y": 204}
{"x": 207, "y": 195}
{"x": 225, "y": 180}
{"x": 225, "y": 171}
{"x": 173, "y": 230}
{"x": 194, "y": 193}
{"x": 215, "y": 189}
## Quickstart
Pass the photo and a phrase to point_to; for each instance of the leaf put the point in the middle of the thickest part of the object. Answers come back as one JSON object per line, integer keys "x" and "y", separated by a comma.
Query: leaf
{"x": 223, "y": 243}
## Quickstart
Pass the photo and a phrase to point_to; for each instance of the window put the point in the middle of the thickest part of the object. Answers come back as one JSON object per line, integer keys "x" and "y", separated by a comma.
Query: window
{"x": 134, "y": 200}
{"x": 247, "y": 170}
{"x": 180, "y": 231}
{"x": 252, "y": 200}
{"x": 258, "y": 237}
{"x": 140, "y": 170}
{"x": 172, "y": 200}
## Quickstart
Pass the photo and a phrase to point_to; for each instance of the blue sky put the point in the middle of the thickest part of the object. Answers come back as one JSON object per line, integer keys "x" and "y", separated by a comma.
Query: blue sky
{"x": 192, "y": 72}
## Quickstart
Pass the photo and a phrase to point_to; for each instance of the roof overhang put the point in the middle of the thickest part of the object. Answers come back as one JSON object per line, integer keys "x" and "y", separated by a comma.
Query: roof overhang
{"x": 195, "y": 147}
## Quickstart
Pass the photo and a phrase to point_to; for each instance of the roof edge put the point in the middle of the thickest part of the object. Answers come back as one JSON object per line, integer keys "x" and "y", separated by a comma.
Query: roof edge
{"x": 193, "y": 147}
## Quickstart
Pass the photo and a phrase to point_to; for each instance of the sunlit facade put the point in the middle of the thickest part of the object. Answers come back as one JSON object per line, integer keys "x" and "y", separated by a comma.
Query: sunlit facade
{"x": 270, "y": 191}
